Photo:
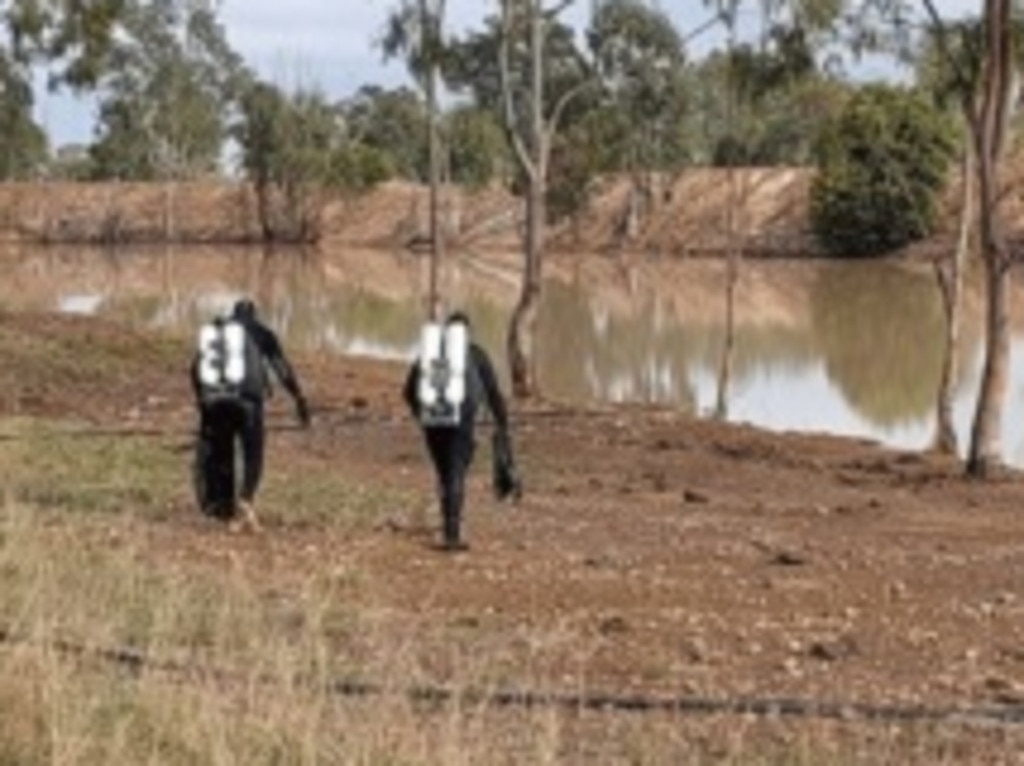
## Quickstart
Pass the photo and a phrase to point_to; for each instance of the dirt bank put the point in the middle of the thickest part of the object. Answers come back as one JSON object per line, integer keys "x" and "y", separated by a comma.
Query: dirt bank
{"x": 686, "y": 217}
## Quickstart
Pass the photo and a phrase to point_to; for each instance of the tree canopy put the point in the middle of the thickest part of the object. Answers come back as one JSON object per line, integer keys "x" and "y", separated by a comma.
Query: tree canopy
{"x": 883, "y": 162}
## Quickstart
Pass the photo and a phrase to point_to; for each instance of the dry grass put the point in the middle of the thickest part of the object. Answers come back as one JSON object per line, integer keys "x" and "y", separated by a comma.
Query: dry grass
{"x": 243, "y": 667}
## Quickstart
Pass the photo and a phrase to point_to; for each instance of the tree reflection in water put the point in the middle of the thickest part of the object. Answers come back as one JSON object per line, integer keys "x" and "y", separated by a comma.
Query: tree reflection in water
{"x": 586, "y": 352}
{"x": 879, "y": 328}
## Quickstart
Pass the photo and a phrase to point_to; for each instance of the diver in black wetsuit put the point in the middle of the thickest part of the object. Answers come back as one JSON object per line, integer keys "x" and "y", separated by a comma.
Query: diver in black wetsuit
{"x": 231, "y": 409}
{"x": 451, "y": 447}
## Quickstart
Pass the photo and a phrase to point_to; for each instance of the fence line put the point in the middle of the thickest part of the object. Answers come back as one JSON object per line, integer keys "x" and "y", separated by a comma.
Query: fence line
{"x": 136, "y": 661}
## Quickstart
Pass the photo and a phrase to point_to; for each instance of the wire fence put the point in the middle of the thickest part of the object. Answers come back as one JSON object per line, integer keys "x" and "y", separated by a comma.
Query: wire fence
{"x": 965, "y": 714}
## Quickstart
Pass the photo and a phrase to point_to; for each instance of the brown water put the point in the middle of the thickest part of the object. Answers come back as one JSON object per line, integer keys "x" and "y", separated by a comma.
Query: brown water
{"x": 852, "y": 349}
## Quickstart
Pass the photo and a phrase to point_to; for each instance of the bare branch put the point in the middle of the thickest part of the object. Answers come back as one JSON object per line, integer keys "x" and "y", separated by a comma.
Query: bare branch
{"x": 562, "y": 104}
{"x": 506, "y": 92}
{"x": 942, "y": 38}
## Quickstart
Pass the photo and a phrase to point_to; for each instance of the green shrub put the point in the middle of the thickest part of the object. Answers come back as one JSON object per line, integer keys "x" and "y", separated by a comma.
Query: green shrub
{"x": 478, "y": 151}
{"x": 882, "y": 163}
{"x": 360, "y": 168}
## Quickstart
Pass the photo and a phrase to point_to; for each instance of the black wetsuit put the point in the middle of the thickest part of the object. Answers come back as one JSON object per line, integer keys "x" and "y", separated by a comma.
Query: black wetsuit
{"x": 225, "y": 421}
{"x": 451, "y": 448}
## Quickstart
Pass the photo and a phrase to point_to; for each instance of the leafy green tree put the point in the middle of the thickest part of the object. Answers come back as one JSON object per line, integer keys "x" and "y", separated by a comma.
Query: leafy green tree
{"x": 472, "y": 66}
{"x": 578, "y": 158}
{"x": 478, "y": 153}
{"x": 881, "y": 167}
{"x": 791, "y": 78}
{"x": 393, "y": 122}
{"x": 296, "y": 150}
{"x": 641, "y": 61}
{"x": 358, "y": 168}
{"x": 768, "y": 81}
{"x": 23, "y": 144}
{"x": 762, "y": 102}
{"x": 288, "y": 144}
{"x": 167, "y": 95}
{"x": 70, "y": 39}
{"x": 261, "y": 134}
{"x": 642, "y": 67}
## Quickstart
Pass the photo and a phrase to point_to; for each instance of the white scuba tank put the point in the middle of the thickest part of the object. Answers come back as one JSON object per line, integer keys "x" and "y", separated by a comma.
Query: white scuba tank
{"x": 444, "y": 357}
{"x": 431, "y": 338}
{"x": 222, "y": 355}
{"x": 234, "y": 353}
{"x": 456, "y": 345}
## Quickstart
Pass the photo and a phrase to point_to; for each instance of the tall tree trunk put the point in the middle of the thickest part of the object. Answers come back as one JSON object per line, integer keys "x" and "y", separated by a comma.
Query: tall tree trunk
{"x": 725, "y": 362}
{"x": 264, "y": 208}
{"x": 534, "y": 161}
{"x": 532, "y": 152}
{"x": 732, "y": 273}
{"x": 985, "y": 449}
{"x": 436, "y": 233}
{"x": 522, "y": 328}
{"x": 951, "y": 278}
{"x": 989, "y": 134}
{"x": 732, "y": 268}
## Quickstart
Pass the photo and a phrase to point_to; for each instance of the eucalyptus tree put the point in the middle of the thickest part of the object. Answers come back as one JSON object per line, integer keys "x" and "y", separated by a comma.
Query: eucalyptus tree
{"x": 526, "y": 68}
{"x": 533, "y": 115}
{"x": 767, "y": 95}
{"x": 262, "y": 137}
{"x": 23, "y": 143}
{"x": 166, "y": 98}
{"x": 72, "y": 41}
{"x": 770, "y": 98}
{"x": 71, "y": 38}
{"x": 473, "y": 61}
{"x": 293, "y": 150}
{"x": 981, "y": 69}
{"x": 297, "y": 148}
{"x": 949, "y": 66}
{"x": 392, "y": 122}
{"x": 477, "y": 152}
{"x": 641, "y": 61}
{"x": 990, "y": 134}
{"x": 472, "y": 68}
{"x": 415, "y": 30}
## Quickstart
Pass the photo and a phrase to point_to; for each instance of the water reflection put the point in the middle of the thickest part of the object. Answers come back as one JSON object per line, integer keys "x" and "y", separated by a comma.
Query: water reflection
{"x": 857, "y": 350}
{"x": 586, "y": 352}
{"x": 879, "y": 332}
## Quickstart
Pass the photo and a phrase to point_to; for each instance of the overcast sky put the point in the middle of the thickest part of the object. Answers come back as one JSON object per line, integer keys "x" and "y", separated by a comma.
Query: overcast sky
{"x": 333, "y": 44}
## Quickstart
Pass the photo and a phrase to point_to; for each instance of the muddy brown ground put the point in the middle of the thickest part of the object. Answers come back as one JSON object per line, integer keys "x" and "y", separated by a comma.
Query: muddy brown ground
{"x": 658, "y": 553}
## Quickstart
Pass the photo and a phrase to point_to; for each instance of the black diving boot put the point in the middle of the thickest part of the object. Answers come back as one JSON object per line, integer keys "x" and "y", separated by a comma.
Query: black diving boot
{"x": 452, "y": 539}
